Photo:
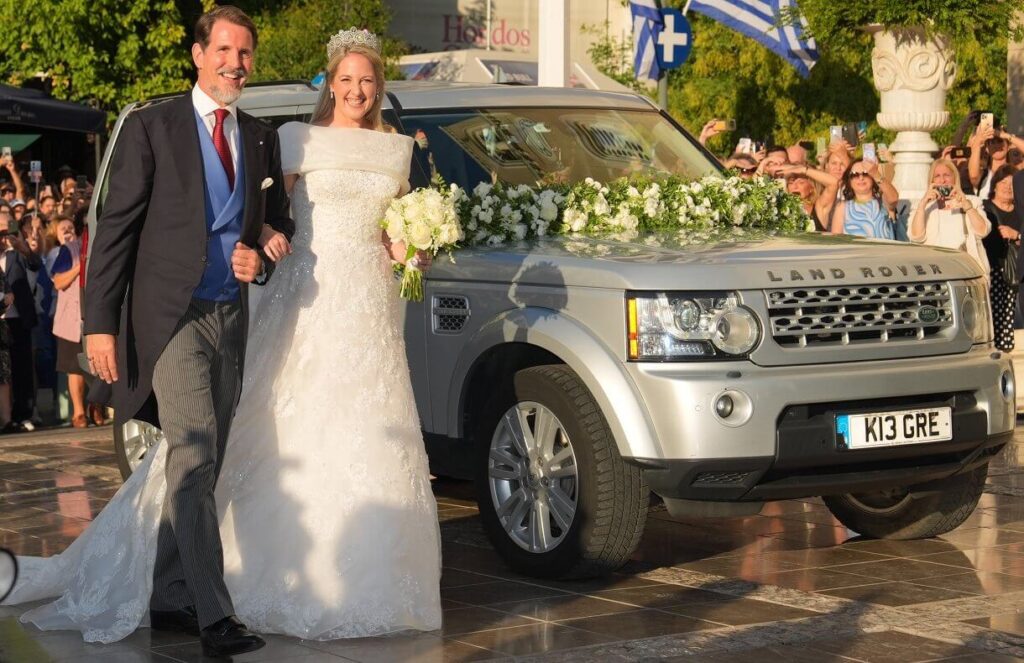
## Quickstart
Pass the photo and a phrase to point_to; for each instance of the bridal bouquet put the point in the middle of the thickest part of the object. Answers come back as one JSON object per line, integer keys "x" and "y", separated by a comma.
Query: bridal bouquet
{"x": 426, "y": 220}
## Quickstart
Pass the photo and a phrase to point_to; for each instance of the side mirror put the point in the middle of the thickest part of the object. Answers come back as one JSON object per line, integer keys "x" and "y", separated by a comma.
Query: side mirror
{"x": 8, "y": 572}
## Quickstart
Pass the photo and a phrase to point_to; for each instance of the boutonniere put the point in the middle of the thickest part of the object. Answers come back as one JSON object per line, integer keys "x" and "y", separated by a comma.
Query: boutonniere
{"x": 266, "y": 184}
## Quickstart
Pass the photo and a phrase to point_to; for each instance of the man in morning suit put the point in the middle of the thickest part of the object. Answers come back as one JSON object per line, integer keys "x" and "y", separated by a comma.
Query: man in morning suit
{"x": 192, "y": 184}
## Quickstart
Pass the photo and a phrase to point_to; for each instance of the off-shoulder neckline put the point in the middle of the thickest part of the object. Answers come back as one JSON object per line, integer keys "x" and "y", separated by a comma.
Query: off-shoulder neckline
{"x": 372, "y": 131}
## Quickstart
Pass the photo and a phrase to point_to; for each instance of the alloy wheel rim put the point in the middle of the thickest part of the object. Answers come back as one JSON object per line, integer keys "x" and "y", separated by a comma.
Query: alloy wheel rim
{"x": 883, "y": 501}
{"x": 533, "y": 477}
{"x": 139, "y": 437}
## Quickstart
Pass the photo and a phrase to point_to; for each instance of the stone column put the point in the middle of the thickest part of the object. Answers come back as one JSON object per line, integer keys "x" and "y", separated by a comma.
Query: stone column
{"x": 912, "y": 74}
{"x": 553, "y": 49}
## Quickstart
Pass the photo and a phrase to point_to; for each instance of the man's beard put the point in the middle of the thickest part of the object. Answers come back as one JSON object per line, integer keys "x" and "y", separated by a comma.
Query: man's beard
{"x": 227, "y": 95}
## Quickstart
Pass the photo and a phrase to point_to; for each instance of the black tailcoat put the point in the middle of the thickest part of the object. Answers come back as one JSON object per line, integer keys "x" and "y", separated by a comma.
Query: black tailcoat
{"x": 149, "y": 251}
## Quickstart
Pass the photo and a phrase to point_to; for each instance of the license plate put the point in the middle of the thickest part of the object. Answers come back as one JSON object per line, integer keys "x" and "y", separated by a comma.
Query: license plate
{"x": 886, "y": 429}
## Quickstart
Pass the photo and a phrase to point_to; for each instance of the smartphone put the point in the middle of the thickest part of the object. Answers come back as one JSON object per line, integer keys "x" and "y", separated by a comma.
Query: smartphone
{"x": 987, "y": 120}
{"x": 745, "y": 146}
{"x": 850, "y": 134}
{"x": 835, "y": 133}
{"x": 81, "y": 184}
{"x": 5, "y": 152}
{"x": 869, "y": 152}
{"x": 725, "y": 125}
{"x": 960, "y": 153}
{"x": 862, "y": 129}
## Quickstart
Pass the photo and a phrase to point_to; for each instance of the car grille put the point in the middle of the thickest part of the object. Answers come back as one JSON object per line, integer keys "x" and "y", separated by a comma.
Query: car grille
{"x": 801, "y": 317}
{"x": 721, "y": 477}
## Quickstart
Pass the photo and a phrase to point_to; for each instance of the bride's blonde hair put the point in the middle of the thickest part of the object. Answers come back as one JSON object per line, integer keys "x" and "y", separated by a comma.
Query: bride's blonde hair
{"x": 324, "y": 109}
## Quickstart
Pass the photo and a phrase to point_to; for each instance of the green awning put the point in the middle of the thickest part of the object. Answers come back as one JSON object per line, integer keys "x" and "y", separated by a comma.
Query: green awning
{"x": 17, "y": 142}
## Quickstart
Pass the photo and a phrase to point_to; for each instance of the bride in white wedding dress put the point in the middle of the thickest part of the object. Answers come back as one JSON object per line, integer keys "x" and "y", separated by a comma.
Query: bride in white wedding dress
{"x": 328, "y": 524}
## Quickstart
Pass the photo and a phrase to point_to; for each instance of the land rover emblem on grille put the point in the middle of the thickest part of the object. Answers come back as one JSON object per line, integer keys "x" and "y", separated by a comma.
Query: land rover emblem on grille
{"x": 928, "y": 314}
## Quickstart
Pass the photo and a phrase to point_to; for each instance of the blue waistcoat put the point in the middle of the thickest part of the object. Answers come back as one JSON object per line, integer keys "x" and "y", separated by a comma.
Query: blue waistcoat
{"x": 224, "y": 209}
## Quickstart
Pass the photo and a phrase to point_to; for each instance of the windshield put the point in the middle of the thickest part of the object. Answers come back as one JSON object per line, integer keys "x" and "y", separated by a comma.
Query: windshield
{"x": 541, "y": 146}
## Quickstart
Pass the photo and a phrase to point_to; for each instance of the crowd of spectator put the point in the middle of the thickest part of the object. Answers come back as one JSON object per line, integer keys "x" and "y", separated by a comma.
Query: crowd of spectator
{"x": 42, "y": 238}
{"x": 969, "y": 204}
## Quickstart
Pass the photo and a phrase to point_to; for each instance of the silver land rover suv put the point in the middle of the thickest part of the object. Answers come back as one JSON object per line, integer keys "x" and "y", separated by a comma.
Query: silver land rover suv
{"x": 565, "y": 376}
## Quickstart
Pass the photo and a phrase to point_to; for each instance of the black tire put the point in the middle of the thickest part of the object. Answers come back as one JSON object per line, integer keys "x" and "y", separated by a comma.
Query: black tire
{"x": 612, "y": 496}
{"x": 940, "y": 507}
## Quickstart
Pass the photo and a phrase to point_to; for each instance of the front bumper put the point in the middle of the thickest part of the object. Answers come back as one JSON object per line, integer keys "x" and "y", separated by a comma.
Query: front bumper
{"x": 788, "y": 446}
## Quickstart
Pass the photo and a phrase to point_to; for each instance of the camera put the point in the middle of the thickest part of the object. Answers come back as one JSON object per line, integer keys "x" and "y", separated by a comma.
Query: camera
{"x": 960, "y": 153}
{"x": 944, "y": 191}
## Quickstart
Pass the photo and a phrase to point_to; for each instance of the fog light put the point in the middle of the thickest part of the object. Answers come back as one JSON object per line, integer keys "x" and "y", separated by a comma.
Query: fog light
{"x": 732, "y": 407}
{"x": 1006, "y": 385}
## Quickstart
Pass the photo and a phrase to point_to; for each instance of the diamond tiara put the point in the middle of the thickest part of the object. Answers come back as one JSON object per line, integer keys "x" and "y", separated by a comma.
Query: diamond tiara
{"x": 346, "y": 39}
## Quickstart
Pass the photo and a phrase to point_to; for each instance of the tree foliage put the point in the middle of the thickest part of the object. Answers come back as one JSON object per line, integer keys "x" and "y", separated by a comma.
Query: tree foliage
{"x": 729, "y": 75}
{"x": 101, "y": 52}
{"x": 107, "y": 53}
{"x": 294, "y": 35}
{"x": 837, "y": 22}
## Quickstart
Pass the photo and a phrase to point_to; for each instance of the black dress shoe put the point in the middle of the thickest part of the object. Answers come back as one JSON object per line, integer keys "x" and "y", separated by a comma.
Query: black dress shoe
{"x": 184, "y": 620}
{"x": 228, "y": 637}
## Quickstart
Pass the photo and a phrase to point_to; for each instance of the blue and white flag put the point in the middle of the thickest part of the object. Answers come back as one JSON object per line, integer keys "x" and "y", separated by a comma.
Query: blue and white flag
{"x": 758, "y": 19}
{"x": 647, "y": 26}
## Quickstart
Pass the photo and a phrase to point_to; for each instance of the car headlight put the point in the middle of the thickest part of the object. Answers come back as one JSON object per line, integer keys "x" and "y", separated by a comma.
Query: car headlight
{"x": 976, "y": 313}
{"x": 688, "y": 326}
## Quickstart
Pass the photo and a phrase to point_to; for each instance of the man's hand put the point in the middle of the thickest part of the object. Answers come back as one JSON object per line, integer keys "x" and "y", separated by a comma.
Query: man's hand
{"x": 102, "y": 352}
{"x": 246, "y": 263}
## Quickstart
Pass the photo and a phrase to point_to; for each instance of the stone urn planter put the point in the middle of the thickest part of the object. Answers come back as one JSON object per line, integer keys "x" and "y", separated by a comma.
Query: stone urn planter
{"x": 912, "y": 72}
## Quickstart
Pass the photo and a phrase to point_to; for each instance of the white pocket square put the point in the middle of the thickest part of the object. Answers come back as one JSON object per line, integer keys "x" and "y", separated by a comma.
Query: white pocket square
{"x": 266, "y": 184}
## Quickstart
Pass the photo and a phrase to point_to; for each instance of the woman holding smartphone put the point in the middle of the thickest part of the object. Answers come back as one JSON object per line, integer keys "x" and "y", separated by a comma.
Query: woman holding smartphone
{"x": 1006, "y": 228}
{"x": 947, "y": 217}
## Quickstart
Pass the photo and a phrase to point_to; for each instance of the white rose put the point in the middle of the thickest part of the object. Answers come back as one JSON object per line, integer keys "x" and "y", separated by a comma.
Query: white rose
{"x": 419, "y": 235}
{"x": 482, "y": 189}
{"x": 601, "y": 206}
{"x": 576, "y": 220}
{"x": 449, "y": 234}
{"x": 548, "y": 211}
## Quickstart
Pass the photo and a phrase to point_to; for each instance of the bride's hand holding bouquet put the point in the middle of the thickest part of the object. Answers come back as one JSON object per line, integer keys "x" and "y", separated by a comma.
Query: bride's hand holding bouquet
{"x": 424, "y": 222}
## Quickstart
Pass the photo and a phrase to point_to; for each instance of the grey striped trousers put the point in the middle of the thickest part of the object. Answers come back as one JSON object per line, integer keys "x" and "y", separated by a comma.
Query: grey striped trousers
{"x": 197, "y": 381}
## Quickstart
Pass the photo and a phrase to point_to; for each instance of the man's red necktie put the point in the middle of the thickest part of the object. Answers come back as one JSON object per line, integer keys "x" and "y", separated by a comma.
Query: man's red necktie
{"x": 220, "y": 143}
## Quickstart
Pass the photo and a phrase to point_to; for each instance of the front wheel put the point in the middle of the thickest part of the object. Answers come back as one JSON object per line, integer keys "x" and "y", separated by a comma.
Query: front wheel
{"x": 939, "y": 507}
{"x": 556, "y": 498}
{"x": 132, "y": 441}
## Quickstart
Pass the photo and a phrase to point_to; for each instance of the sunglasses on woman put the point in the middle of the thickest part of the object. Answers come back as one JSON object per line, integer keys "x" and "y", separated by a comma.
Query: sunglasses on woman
{"x": 748, "y": 171}
{"x": 856, "y": 174}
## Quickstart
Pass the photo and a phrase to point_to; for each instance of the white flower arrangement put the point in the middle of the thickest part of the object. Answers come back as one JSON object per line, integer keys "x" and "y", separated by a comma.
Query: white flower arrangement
{"x": 685, "y": 212}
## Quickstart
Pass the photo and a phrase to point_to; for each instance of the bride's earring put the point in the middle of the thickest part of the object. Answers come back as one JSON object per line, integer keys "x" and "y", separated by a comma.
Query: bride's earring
{"x": 332, "y": 95}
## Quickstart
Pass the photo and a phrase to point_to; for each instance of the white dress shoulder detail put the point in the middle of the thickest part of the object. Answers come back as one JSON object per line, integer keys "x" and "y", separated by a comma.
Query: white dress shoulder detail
{"x": 306, "y": 148}
{"x": 328, "y": 524}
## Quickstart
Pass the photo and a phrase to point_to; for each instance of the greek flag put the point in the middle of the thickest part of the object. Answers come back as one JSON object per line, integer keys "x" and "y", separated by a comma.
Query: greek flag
{"x": 758, "y": 19}
{"x": 647, "y": 26}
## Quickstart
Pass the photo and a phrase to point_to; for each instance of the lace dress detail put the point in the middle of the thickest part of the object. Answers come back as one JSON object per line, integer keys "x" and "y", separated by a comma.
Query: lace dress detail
{"x": 328, "y": 524}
